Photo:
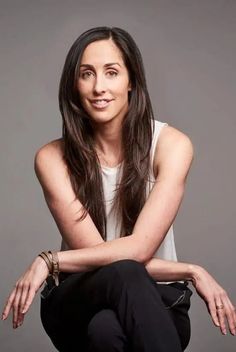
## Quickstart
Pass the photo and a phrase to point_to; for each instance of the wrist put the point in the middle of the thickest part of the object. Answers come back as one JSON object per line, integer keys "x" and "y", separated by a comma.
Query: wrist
{"x": 194, "y": 273}
{"x": 52, "y": 263}
{"x": 39, "y": 262}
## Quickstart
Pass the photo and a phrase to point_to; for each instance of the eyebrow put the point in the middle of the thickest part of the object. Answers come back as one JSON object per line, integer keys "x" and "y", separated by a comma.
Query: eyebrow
{"x": 108, "y": 64}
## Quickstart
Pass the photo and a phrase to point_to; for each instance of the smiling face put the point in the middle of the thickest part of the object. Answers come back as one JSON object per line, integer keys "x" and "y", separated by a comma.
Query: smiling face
{"x": 103, "y": 82}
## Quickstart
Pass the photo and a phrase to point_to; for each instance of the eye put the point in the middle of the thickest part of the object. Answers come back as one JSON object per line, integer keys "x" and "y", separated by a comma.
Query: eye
{"x": 86, "y": 74}
{"x": 112, "y": 73}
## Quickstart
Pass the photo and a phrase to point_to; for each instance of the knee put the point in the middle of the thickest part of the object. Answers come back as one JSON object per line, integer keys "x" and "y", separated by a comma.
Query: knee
{"x": 122, "y": 274}
{"x": 128, "y": 269}
{"x": 104, "y": 331}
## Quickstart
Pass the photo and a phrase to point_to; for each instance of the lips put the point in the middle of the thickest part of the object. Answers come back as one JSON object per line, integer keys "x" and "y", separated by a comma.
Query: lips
{"x": 100, "y": 103}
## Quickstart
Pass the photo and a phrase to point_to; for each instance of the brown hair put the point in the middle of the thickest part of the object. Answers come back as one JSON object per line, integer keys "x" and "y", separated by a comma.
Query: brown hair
{"x": 79, "y": 153}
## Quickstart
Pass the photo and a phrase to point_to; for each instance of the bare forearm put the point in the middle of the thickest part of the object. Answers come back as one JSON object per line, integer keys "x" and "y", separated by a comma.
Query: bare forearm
{"x": 166, "y": 270}
{"x": 86, "y": 259}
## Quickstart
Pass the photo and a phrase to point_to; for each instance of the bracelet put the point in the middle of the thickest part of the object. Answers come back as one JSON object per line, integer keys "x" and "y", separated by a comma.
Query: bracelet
{"x": 55, "y": 267}
{"x": 51, "y": 259}
{"x": 46, "y": 258}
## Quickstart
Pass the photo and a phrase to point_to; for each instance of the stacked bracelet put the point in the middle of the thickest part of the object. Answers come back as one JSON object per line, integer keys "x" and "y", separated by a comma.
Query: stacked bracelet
{"x": 51, "y": 259}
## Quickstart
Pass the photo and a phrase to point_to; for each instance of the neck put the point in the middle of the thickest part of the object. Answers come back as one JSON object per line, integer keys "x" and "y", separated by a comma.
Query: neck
{"x": 108, "y": 141}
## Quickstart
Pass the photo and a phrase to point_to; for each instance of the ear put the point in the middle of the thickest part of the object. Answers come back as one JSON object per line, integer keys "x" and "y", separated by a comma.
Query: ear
{"x": 129, "y": 86}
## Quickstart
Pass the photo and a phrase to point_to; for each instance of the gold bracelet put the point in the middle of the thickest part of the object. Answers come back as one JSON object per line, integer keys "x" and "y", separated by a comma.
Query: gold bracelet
{"x": 51, "y": 259}
{"x": 47, "y": 259}
{"x": 55, "y": 267}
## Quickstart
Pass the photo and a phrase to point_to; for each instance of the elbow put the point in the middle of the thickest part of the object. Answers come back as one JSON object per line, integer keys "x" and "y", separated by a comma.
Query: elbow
{"x": 137, "y": 254}
{"x": 142, "y": 256}
{"x": 140, "y": 259}
{"x": 145, "y": 259}
{"x": 140, "y": 252}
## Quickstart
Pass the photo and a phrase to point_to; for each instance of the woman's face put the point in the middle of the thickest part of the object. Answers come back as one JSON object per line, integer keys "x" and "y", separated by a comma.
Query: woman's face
{"x": 103, "y": 82}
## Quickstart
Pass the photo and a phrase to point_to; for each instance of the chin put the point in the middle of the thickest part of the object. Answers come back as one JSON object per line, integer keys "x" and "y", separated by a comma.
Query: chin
{"x": 101, "y": 120}
{"x": 101, "y": 116}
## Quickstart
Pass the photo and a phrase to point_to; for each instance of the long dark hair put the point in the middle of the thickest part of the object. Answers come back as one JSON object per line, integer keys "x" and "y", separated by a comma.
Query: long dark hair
{"x": 79, "y": 153}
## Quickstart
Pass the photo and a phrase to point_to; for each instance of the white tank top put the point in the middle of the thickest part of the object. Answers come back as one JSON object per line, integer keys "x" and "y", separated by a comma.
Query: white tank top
{"x": 110, "y": 175}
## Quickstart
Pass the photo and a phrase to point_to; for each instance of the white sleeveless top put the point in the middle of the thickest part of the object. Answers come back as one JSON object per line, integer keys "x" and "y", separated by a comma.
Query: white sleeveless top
{"x": 110, "y": 175}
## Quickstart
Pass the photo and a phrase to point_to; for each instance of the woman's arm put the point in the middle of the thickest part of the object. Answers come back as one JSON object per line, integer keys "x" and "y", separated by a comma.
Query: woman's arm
{"x": 59, "y": 196}
{"x": 156, "y": 217}
{"x": 206, "y": 286}
{"x": 209, "y": 290}
{"x": 165, "y": 198}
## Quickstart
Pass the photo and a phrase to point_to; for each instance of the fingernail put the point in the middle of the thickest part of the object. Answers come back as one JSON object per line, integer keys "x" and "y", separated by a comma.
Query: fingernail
{"x": 3, "y": 316}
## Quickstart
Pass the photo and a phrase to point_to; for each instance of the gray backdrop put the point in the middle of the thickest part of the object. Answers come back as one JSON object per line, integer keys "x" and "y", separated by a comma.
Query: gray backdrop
{"x": 189, "y": 51}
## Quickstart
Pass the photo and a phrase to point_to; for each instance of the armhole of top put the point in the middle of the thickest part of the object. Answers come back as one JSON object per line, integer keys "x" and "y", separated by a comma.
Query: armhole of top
{"x": 157, "y": 130}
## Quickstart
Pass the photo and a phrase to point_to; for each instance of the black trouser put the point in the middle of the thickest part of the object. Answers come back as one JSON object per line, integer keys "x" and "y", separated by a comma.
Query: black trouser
{"x": 117, "y": 307}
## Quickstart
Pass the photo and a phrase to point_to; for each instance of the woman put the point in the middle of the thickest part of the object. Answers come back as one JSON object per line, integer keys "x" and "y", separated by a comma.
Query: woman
{"x": 114, "y": 183}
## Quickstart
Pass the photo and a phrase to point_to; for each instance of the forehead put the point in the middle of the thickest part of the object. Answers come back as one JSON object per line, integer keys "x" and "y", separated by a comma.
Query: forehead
{"x": 101, "y": 52}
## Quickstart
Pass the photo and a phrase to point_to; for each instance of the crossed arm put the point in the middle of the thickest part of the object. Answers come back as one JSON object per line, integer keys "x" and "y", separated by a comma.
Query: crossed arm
{"x": 88, "y": 252}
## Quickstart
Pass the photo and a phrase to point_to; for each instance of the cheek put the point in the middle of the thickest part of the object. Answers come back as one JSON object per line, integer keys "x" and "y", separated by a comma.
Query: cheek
{"x": 83, "y": 88}
{"x": 121, "y": 88}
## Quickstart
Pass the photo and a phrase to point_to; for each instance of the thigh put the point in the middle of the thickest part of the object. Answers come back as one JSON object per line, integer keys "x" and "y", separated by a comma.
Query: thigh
{"x": 67, "y": 309}
{"x": 105, "y": 333}
{"x": 80, "y": 296}
{"x": 65, "y": 314}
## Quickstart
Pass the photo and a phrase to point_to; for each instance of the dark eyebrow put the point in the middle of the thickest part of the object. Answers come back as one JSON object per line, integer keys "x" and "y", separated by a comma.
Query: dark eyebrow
{"x": 108, "y": 64}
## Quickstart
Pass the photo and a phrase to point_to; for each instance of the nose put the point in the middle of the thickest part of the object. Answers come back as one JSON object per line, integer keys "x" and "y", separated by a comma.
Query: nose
{"x": 99, "y": 84}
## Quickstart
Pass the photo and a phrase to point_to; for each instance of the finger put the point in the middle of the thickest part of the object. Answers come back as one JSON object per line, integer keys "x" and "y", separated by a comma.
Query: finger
{"x": 22, "y": 304}
{"x": 232, "y": 307}
{"x": 8, "y": 305}
{"x": 24, "y": 296}
{"x": 20, "y": 319}
{"x": 231, "y": 316}
{"x": 221, "y": 314}
{"x": 234, "y": 314}
{"x": 213, "y": 312}
{"x": 16, "y": 306}
{"x": 30, "y": 297}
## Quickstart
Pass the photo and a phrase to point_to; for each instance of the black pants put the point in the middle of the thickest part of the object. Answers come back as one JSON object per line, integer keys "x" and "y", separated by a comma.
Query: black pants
{"x": 117, "y": 307}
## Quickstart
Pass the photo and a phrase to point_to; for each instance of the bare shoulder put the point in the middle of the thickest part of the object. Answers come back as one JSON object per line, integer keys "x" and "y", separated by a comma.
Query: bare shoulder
{"x": 52, "y": 148}
{"x": 50, "y": 152}
{"x": 174, "y": 149}
{"x": 49, "y": 164}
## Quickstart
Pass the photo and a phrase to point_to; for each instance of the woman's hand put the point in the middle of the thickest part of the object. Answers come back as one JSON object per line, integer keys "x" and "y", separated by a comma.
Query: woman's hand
{"x": 216, "y": 298}
{"x": 24, "y": 291}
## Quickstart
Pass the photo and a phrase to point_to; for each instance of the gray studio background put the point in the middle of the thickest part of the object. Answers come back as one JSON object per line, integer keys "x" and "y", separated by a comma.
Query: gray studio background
{"x": 189, "y": 52}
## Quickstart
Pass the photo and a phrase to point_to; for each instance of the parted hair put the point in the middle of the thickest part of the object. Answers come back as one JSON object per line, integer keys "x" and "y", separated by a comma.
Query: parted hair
{"x": 78, "y": 135}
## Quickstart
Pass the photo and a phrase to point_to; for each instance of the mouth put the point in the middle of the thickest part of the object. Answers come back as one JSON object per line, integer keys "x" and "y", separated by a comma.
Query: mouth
{"x": 100, "y": 103}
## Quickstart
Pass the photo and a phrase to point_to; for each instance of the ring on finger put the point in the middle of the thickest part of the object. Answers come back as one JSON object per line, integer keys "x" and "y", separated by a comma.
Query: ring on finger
{"x": 220, "y": 306}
